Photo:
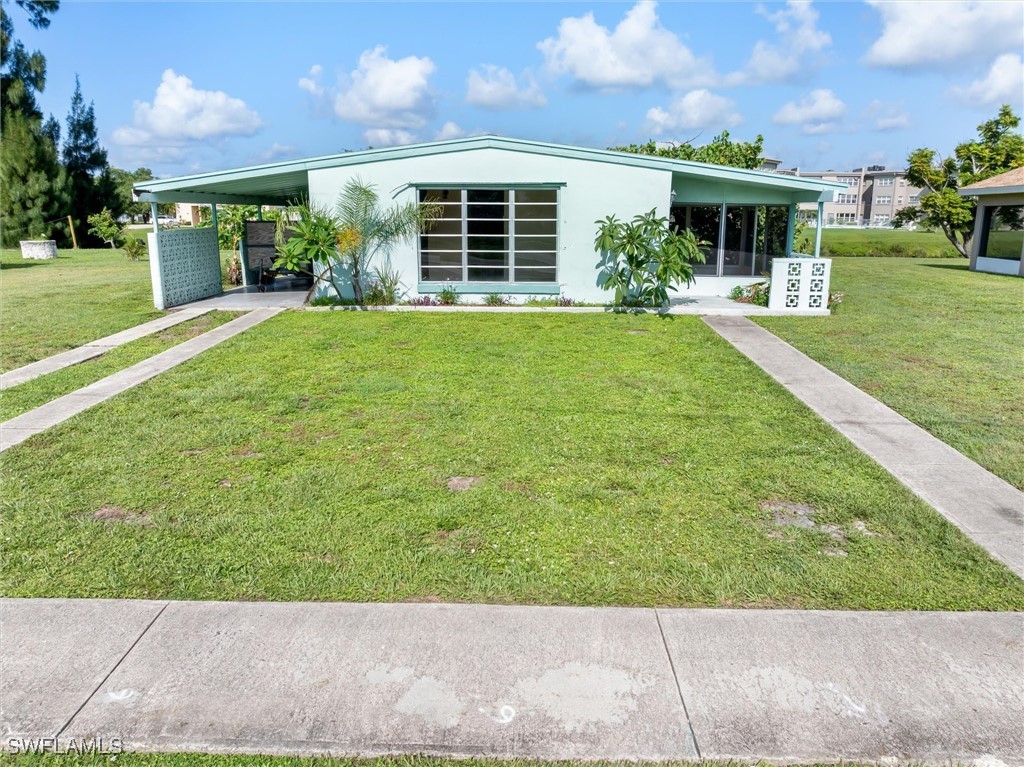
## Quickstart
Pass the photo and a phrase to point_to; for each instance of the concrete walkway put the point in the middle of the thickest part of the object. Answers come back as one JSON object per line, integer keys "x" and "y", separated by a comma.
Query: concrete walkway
{"x": 506, "y": 681}
{"x": 22, "y": 427}
{"x": 96, "y": 348}
{"x": 988, "y": 509}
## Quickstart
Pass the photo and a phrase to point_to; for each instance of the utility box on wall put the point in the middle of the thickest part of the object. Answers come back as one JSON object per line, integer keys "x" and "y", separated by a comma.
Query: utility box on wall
{"x": 800, "y": 284}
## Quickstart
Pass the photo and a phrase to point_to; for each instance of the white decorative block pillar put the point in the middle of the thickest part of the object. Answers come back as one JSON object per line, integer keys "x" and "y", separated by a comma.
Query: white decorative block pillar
{"x": 800, "y": 283}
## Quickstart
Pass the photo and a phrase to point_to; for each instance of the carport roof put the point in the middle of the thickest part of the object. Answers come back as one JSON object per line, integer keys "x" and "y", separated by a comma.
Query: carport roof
{"x": 282, "y": 182}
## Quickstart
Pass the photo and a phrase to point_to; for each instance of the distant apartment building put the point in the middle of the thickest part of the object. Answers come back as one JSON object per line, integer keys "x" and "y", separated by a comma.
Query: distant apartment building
{"x": 873, "y": 196}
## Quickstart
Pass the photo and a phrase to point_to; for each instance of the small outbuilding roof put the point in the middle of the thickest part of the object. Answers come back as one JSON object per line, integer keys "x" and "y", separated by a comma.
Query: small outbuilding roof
{"x": 1011, "y": 182}
{"x": 281, "y": 182}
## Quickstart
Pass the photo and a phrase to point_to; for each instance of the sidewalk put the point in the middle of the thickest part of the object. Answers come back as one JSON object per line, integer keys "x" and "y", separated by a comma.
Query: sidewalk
{"x": 507, "y": 681}
{"x": 18, "y": 429}
{"x": 95, "y": 348}
{"x": 988, "y": 509}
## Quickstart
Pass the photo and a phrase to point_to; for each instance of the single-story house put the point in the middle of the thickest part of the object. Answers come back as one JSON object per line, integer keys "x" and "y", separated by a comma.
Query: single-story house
{"x": 519, "y": 216}
{"x": 998, "y": 242}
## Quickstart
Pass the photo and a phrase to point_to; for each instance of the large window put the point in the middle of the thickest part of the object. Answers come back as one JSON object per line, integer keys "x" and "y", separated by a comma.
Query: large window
{"x": 491, "y": 235}
{"x": 884, "y": 181}
{"x": 846, "y": 199}
{"x": 1002, "y": 235}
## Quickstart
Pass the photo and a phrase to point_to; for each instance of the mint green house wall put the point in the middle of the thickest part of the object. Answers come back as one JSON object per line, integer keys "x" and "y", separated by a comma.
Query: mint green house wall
{"x": 588, "y": 190}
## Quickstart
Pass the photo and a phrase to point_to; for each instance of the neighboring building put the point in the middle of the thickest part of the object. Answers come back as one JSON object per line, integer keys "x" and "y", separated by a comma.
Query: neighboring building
{"x": 872, "y": 197}
{"x": 998, "y": 242}
{"x": 187, "y": 214}
{"x": 518, "y": 216}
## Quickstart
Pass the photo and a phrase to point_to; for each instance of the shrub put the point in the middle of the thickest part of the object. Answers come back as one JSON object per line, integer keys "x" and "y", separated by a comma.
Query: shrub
{"x": 423, "y": 301}
{"x": 564, "y": 301}
{"x": 448, "y": 296}
{"x": 234, "y": 270}
{"x": 496, "y": 299}
{"x": 644, "y": 258}
{"x": 384, "y": 288}
{"x": 756, "y": 294}
{"x": 326, "y": 301}
{"x": 133, "y": 248}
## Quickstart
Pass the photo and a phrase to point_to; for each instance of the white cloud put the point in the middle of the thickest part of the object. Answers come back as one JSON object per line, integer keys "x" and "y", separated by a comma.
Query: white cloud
{"x": 816, "y": 113}
{"x": 181, "y": 113}
{"x": 497, "y": 88}
{"x": 278, "y": 151}
{"x": 697, "y": 109}
{"x": 310, "y": 83}
{"x": 378, "y": 137}
{"x": 448, "y": 131}
{"x": 387, "y": 93}
{"x": 639, "y": 52}
{"x": 926, "y": 33}
{"x": 790, "y": 57}
{"x": 1003, "y": 84}
{"x": 887, "y": 117}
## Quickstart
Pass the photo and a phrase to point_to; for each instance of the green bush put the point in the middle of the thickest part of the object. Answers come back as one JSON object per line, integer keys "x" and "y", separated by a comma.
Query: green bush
{"x": 448, "y": 296}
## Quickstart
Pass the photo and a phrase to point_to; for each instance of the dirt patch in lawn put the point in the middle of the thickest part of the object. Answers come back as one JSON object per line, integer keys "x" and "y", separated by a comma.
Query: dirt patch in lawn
{"x": 107, "y": 513}
{"x": 792, "y": 514}
{"x": 460, "y": 484}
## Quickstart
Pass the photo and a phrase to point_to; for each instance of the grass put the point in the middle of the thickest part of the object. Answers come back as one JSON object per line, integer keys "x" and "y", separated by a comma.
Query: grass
{"x": 48, "y": 307}
{"x": 252, "y": 760}
{"x": 611, "y": 460}
{"x": 934, "y": 341}
{"x": 38, "y": 391}
{"x": 837, "y": 241}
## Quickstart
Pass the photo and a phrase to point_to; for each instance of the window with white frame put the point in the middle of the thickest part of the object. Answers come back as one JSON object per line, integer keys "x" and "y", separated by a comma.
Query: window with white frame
{"x": 846, "y": 199}
{"x": 899, "y": 200}
{"x": 882, "y": 218}
{"x": 903, "y": 182}
{"x": 491, "y": 235}
{"x": 846, "y": 218}
{"x": 915, "y": 198}
{"x": 885, "y": 199}
{"x": 848, "y": 180}
{"x": 884, "y": 181}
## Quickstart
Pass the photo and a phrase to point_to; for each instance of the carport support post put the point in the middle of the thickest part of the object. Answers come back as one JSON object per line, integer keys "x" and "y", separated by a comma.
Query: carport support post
{"x": 817, "y": 231}
{"x": 790, "y": 230}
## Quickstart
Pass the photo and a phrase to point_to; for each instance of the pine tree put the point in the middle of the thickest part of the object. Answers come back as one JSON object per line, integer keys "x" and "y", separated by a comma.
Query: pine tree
{"x": 85, "y": 161}
{"x": 33, "y": 185}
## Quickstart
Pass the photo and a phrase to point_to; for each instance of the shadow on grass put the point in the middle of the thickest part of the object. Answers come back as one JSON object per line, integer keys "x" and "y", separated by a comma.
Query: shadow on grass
{"x": 957, "y": 267}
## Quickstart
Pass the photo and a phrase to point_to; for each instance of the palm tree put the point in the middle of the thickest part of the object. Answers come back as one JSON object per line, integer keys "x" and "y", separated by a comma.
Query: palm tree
{"x": 357, "y": 230}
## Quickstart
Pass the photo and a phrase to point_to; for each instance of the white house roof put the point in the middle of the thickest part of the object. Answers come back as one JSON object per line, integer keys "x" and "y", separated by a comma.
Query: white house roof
{"x": 281, "y": 182}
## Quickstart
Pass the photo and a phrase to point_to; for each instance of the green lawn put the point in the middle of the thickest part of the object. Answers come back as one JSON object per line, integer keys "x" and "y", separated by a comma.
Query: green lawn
{"x": 48, "y": 307}
{"x": 39, "y": 391}
{"x": 615, "y": 460}
{"x": 838, "y": 241}
{"x": 939, "y": 344}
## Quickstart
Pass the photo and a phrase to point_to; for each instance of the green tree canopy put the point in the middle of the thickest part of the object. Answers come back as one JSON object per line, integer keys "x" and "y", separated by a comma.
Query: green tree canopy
{"x": 998, "y": 148}
{"x": 721, "y": 150}
{"x": 91, "y": 185}
{"x": 33, "y": 186}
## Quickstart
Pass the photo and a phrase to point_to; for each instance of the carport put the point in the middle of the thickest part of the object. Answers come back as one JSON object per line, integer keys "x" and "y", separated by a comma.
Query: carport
{"x": 185, "y": 263}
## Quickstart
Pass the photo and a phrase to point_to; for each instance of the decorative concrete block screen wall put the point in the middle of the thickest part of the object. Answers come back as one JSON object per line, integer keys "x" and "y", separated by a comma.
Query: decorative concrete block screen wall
{"x": 800, "y": 283}
{"x": 184, "y": 265}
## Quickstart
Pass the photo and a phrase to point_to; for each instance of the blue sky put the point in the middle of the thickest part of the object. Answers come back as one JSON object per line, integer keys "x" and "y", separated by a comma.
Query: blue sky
{"x": 188, "y": 87}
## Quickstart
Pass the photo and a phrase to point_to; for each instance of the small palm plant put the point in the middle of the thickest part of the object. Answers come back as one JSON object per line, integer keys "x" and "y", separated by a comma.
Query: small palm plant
{"x": 352, "y": 234}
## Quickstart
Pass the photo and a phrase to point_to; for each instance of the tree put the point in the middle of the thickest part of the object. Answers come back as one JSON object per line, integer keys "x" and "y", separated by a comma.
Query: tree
{"x": 999, "y": 148}
{"x": 91, "y": 185}
{"x": 644, "y": 258}
{"x": 33, "y": 186}
{"x": 104, "y": 226}
{"x": 351, "y": 234}
{"x": 123, "y": 181}
{"x": 722, "y": 150}
{"x": 32, "y": 182}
